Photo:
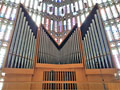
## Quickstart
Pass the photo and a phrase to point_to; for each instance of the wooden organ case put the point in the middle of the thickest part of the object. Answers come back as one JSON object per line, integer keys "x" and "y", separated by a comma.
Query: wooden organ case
{"x": 36, "y": 59}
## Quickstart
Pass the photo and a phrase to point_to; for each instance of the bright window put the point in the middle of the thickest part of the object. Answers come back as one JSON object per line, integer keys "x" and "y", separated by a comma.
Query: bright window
{"x": 55, "y": 26}
{"x": 115, "y": 14}
{"x": 42, "y": 20}
{"x": 34, "y": 17}
{"x": 109, "y": 13}
{"x": 103, "y": 14}
{"x": 31, "y": 3}
{"x": 36, "y": 4}
{"x": 8, "y": 32}
{"x": 80, "y": 4}
{"x": 13, "y": 14}
{"x": 65, "y": 25}
{"x": 17, "y": 1}
{"x": 82, "y": 18}
{"x": 2, "y": 55}
{"x": 60, "y": 26}
{"x": 76, "y": 6}
{"x": 69, "y": 24}
{"x": 7, "y": 15}
{"x": 115, "y": 32}
{"x": 47, "y": 23}
{"x": 73, "y": 21}
{"x": 44, "y": 7}
{"x": 78, "y": 21}
{"x": 109, "y": 33}
{"x": 2, "y": 31}
{"x": 51, "y": 25}
{"x": 38, "y": 20}
{"x": 68, "y": 8}
{"x": 3, "y": 11}
{"x": 27, "y": 3}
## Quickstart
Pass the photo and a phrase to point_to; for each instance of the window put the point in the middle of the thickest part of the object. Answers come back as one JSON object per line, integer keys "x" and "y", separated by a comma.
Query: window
{"x": 17, "y": 1}
{"x": 22, "y": 1}
{"x": 99, "y": 1}
{"x": 2, "y": 55}
{"x": 13, "y": 14}
{"x": 51, "y": 25}
{"x": 116, "y": 57}
{"x": 118, "y": 25}
{"x": 36, "y": 5}
{"x": 27, "y": 3}
{"x": 47, "y": 23}
{"x": 109, "y": 33}
{"x": 118, "y": 7}
{"x": 68, "y": 8}
{"x": 56, "y": 11}
{"x": 115, "y": 32}
{"x": 42, "y": 20}
{"x": 76, "y": 6}
{"x": 31, "y": 4}
{"x": 103, "y": 14}
{"x": 109, "y": 13}
{"x": 69, "y": 24}
{"x": 44, "y": 7}
{"x": 3, "y": 11}
{"x": 38, "y": 20}
{"x": 50, "y": 9}
{"x": 62, "y": 11}
{"x": 40, "y": 7}
{"x": 82, "y": 18}
{"x": 73, "y": 21}
{"x": 8, "y": 32}
{"x": 90, "y": 3}
{"x": 2, "y": 31}
{"x": 78, "y": 21}
{"x": 115, "y": 14}
{"x": 7, "y": 15}
{"x": 80, "y": 4}
{"x": 55, "y": 26}
{"x": 34, "y": 17}
{"x": 60, "y": 26}
{"x": 65, "y": 25}
{"x": 94, "y": 1}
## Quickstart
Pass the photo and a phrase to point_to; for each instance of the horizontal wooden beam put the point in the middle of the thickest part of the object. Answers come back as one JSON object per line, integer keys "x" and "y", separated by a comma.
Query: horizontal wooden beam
{"x": 18, "y": 71}
{"x": 60, "y": 66}
{"x": 100, "y": 71}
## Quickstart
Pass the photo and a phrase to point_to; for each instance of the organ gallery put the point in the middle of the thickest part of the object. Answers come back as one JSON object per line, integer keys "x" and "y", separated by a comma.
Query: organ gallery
{"x": 59, "y": 45}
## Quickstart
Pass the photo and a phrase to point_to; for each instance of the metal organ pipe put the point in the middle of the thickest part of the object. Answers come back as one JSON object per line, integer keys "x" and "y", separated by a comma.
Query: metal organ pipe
{"x": 69, "y": 53}
{"x": 22, "y": 46}
{"x": 104, "y": 39}
{"x": 13, "y": 40}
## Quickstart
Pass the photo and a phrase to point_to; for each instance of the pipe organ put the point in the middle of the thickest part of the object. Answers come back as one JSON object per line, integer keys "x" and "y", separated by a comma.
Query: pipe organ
{"x": 22, "y": 46}
{"x": 96, "y": 47}
{"x": 82, "y": 51}
{"x": 63, "y": 54}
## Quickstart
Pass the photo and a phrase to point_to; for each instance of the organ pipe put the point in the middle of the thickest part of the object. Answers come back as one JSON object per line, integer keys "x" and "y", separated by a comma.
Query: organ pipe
{"x": 22, "y": 47}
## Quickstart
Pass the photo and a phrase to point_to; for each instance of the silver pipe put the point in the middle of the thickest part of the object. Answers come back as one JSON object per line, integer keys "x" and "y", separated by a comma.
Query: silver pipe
{"x": 29, "y": 49}
{"x": 98, "y": 43}
{"x": 26, "y": 48}
{"x": 22, "y": 46}
{"x": 90, "y": 47}
{"x": 13, "y": 39}
{"x": 20, "y": 43}
{"x": 104, "y": 38}
{"x": 16, "y": 42}
{"x": 101, "y": 40}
